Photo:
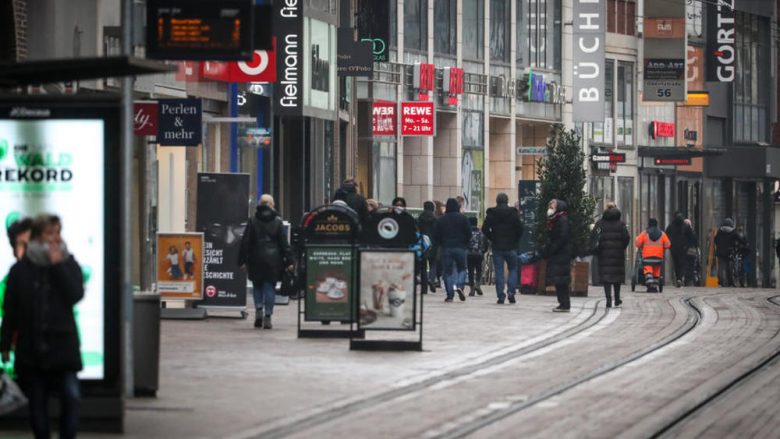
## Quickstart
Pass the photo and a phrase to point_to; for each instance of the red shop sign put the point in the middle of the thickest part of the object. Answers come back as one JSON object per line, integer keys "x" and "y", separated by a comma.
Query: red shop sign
{"x": 145, "y": 118}
{"x": 661, "y": 129}
{"x": 424, "y": 79}
{"x": 383, "y": 118}
{"x": 262, "y": 68}
{"x": 418, "y": 119}
{"x": 453, "y": 84}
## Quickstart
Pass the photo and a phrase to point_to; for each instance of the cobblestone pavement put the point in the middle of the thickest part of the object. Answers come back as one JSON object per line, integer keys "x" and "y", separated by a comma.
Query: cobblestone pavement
{"x": 687, "y": 362}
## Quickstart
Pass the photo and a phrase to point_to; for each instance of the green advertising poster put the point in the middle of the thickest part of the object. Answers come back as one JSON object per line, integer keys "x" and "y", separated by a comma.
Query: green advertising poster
{"x": 329, "y": 282}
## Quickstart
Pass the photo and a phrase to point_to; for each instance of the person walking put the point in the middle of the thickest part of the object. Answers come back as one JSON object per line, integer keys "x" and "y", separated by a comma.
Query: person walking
{"x": 452, "y": 238}
{"x": 559, "y": 252}
{"x": 476, "y": 255}
{"x": 652, "y": 243}
{"x": 264, "y": 254}
{"x": 426, "y": 224}
{"x": 692, "y": 275}
{"x": 503, "y": 229}
{"x": 39, "y": 325}
{"x": 725, "y": 243}
{"x": 354, "y": 199}
{"x": 612, "y": 237}
{"x": 680, "y": 234}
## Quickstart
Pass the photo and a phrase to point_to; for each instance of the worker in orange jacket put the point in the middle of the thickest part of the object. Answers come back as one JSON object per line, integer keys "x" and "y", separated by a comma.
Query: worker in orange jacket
{"x": 652, "y": 242}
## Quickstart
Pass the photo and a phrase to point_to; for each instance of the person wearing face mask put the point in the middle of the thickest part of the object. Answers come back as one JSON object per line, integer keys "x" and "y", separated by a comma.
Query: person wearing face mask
{"x": 43, "y": 288}
{"x": 558, "y": 252}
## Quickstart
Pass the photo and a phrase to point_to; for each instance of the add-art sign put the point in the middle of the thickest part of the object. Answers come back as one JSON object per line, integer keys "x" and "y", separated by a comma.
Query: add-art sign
{"x": 418, "y": 119}
{"x": 383, "y": 118}
{"x": 665, "y": 51}
{"x": 180, "y": 122}
{"x": 589, "y": 41}
{"x": 288, "y": 27}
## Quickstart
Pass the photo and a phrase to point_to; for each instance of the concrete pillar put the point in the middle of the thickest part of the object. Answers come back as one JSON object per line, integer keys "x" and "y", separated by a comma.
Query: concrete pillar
{"x": 501, "y": 153}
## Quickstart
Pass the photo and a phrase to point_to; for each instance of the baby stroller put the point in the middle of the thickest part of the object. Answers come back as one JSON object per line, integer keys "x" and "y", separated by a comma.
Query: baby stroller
{"x": 638, "y": 276}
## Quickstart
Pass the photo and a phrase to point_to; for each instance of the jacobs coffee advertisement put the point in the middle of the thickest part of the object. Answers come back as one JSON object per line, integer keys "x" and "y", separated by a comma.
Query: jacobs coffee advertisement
{"x": 329, "y": 283}
{"x": 223, "y": 214}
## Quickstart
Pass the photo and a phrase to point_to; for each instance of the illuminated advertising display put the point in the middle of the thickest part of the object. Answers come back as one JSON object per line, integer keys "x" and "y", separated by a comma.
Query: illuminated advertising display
{"x": 54, "y": 159}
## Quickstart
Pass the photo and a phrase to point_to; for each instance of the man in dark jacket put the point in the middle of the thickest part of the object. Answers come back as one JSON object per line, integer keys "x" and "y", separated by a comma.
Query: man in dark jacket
{"x": 681, "y": 235}
{"x": 726, "y": 241}
{"x": 502, "y": 227}
{"x": 426, "y": 224}
{"x": 354, "y": 199}
{"x": 453, "y": 233}
{"x": 265, "y": 253}
{"x": 613, "y": 238}
{"x": 559, "y": 252}
{"x": 43, "y": 287}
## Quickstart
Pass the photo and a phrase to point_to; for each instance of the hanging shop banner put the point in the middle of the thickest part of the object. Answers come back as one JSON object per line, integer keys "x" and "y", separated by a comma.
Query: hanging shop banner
{"x": 329, "y": 282}
{"x": 222, "y": 217}
{"x": 180, "y": 122}
{"x": 353, "y": 58}
{"x": 661, "y": 129}
{"x": 59, "y": 157}
{"x": 180, "y": 265}
{"x": 383, "y": 119}
{"x": 721, "y": 39}
{"x": 261, "y": 68}
{"x": 288, "y": 27}
{"x": 527, "y": 192}
{"x": 373, "y": 22}
{"x": 387, "y": 292}
{"x": 145, "y": 118}
{"x": 418, "y": 119}
{"x": 665, "y": 51}
{"x": 589, "y": 39}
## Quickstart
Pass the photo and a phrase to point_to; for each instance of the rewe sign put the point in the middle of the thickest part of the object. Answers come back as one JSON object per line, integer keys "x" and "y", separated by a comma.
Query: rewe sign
{"x": 418, "y": 119}
{"x": 383, "y": 119}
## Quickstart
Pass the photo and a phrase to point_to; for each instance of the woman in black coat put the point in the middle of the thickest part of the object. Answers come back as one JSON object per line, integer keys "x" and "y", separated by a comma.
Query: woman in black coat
{"x": 559, "y": 252}
{"x": 264, "y": 254}
{"x": 613, "y": 238}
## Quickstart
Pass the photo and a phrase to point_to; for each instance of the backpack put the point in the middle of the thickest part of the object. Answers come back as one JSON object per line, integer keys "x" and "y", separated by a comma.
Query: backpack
{"x": 476, "y": 242}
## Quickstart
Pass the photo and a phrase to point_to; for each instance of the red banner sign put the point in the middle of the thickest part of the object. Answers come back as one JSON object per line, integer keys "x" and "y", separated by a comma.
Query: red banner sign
{"x": 262, "y": 68}
{"x": 383, "y": 118}
{"x": 673, "y": 161}
{"x": 418, "y": 119}
{"x": 661, "y": 129}
{"x": 145, "y": 118}
{"x": 453, "y": 84}
{"x": 424, "y": 76}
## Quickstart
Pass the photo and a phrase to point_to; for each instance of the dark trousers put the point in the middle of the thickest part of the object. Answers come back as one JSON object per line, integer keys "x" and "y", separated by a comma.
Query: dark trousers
{"x": 474, "y": 263}
{"x": 562, "y": 291}
{"x": 725, "y": 278}
{"x": 422, "y": 271}
{"x": 608, "y": 292}
{"x": 38, "y": 386}
{"x": 680, "y": 262}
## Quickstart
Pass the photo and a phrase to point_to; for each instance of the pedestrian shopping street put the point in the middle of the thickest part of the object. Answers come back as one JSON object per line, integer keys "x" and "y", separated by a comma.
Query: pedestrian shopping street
{"x": 487, "y": 371}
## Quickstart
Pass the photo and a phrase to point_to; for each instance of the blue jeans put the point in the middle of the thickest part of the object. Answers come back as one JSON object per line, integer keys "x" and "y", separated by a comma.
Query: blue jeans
{"x": 510, "y": 258}
{"x": 38, "y": 386}
{"x": 264, "y": 294}
{"x": 453, "y": 278}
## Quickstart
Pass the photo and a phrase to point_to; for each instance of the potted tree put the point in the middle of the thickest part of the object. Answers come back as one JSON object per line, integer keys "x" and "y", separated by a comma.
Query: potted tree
{"x": 562, "y": 175}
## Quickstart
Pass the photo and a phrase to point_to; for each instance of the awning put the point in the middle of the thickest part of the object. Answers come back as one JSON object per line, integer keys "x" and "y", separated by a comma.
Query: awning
{"x": 679, "y": 152}
{"x": 745, "y": 162}
{"x": 75, "y": 69}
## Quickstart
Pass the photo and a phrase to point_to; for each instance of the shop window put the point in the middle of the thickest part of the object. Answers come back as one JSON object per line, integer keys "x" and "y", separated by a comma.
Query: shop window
{"x": 473, "y": 29}
{"x": 749, "y": 104}
{"x": 416, "y": 25}
{"x": 618, "y": 126}
{"x": 445, "y": 26}
{"x": 621, "y": 16}
{"x": 499, "y": 30}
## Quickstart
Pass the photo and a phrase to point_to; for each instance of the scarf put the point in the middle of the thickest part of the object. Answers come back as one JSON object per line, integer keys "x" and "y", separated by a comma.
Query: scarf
{"x": 553, "y": 219}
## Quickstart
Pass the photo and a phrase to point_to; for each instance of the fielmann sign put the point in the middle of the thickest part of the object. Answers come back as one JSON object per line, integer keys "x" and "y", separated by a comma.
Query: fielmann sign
{"x": 589, "y": 41}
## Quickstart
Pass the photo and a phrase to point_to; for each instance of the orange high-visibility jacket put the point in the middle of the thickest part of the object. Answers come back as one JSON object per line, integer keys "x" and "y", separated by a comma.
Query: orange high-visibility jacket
{"x": 652, "y": 250}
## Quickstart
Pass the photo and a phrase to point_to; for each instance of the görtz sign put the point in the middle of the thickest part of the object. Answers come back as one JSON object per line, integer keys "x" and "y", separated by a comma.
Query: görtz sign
{"x": 180, "y": 122}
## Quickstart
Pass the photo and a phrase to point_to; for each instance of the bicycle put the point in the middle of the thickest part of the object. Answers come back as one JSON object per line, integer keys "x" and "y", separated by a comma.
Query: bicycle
{"x": 737, "y": 263}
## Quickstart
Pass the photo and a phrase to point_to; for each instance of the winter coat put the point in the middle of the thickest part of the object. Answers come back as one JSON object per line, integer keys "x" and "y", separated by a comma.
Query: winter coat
{"x": 681, "y": 236}
{"x": 502, "y": 227}
{"x": 264, "y": 247}
{"x": 559, "y": 250}
{"x": 426, "y": 223}
{"x": 452, "y": 229}
{"x": 613, "y": 238}
{"x": 38, "y": 308}
{"x": 356, "y": 201}
{"x": 725, "y": 240}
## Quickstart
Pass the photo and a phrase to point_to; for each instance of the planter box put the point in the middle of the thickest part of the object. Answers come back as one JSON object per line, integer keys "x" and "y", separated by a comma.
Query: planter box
{"x": 579, "y": 279}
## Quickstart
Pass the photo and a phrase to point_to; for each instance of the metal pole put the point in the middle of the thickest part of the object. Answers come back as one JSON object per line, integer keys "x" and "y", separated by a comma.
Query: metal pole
{"x": 126, "y": 163}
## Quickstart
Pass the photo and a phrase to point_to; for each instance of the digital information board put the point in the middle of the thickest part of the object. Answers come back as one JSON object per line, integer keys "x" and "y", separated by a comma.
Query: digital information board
{"x": 199, "y": 29}
{"x": 55, "y": 158}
